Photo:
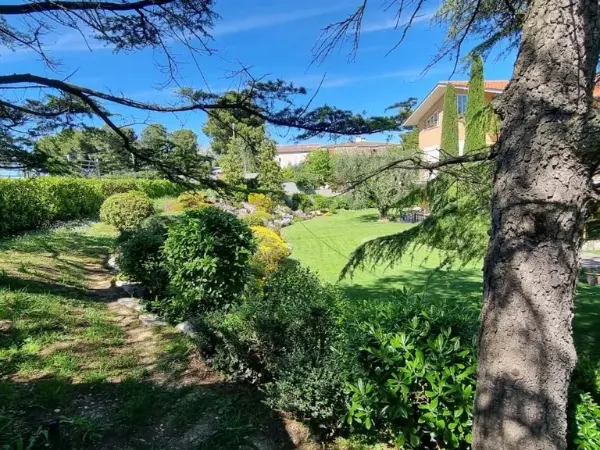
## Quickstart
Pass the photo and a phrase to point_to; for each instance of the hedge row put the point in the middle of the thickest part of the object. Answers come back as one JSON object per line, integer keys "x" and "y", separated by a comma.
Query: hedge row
{"x": 27, "y": 204}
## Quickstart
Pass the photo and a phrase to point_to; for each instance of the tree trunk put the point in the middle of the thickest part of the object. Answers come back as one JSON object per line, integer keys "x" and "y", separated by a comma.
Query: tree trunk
{"x": 541, "y": 186}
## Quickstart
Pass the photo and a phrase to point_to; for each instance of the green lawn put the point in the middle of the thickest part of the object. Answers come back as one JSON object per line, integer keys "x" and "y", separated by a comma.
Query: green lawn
{"x": 324, "y": 244}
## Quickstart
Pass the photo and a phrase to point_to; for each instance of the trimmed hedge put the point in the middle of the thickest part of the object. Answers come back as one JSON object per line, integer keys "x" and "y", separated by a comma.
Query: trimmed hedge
{"x": 30, "y": 203}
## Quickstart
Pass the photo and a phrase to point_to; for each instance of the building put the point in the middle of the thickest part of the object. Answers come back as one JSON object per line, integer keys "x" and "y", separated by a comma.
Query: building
{"x": 291, "y": 155}
{"x": 427, "y": 117}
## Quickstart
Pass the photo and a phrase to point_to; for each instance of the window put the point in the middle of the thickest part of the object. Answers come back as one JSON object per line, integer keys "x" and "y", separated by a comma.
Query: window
{"x": 432, "y": 121}
{"x": 461, "y": 102}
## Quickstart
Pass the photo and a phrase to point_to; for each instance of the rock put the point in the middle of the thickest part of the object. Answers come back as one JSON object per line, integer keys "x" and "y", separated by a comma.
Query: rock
{"x": 131, "y": 303}
{"x": 130, "y": 287}
{"x": 5, "y": 326}
{"x": 186, "y": 328}
{"x": 151, "y": 320}
{"x": 112, "y": 262}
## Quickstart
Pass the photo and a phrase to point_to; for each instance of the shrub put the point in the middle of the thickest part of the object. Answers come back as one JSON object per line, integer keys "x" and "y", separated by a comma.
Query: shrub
{"x": 126, "y": 211}
{"x": 584, "y": 412}
{"x": 321, "y": 202}
{"x": 140, "y": 256}
{"x": 283, "y": 336}
{"x": 257, "y": 218}
{"x": 416, "y": 387}
{"x": 301, "y": 201}
{"x": 261, "y": 201}
{"x": 193, "y": 200}
{"x": 206, "y": 254}
{"x": 272, "y": 250}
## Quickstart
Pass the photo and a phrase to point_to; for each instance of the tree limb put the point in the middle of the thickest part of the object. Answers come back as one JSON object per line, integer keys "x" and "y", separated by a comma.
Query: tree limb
{"x": 46, "y": 6}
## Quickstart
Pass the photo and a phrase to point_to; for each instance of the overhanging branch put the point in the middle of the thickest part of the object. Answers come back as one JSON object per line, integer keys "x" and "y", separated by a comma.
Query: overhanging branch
{"x": 47, "y": 6}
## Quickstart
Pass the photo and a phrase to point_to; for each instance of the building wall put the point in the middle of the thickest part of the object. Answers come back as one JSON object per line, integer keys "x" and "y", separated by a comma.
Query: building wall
{"x": 291, "y": 159}
{"x": 431, "y": 138}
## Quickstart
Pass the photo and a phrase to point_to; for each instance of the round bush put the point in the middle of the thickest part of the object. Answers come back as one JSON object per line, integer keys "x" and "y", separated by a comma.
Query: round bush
{"x": 126, "y": 211}
{"x": 261, "y": 201}
{"x": 206, "y": 254}
{"x": 272, "y": 250}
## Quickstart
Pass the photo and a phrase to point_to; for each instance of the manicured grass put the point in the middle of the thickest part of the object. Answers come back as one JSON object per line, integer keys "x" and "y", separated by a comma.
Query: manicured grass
{"x": 78, "y": 371}
{"x": 324, "y": 244}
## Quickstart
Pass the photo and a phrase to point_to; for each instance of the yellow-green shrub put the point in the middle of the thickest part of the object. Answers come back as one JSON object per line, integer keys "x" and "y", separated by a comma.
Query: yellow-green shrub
{"x": 261, "y": 201}
{"x": 126, "y": 211}
{"x": 193, "y": 200}
{"x": 257, "y": 218}
{"x": 272, "y": 250}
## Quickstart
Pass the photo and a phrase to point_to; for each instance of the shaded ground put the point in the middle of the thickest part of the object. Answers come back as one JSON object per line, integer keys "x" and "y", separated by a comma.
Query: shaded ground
{"x": 77, "y": 370}
{"x": 325, "y": 243}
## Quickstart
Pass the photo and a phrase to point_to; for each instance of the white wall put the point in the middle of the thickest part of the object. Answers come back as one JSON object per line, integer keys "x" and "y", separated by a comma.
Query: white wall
{"x": 290, "y": 159}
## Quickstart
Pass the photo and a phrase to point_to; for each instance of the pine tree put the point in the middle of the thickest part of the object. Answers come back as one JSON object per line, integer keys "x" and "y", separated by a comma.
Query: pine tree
{"x": 476, "y": 111}
{"x": 449, "y": 142}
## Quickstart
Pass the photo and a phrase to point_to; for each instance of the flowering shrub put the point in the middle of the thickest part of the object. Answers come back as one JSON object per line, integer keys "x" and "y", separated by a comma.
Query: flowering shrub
{"x": 272, "y": 250}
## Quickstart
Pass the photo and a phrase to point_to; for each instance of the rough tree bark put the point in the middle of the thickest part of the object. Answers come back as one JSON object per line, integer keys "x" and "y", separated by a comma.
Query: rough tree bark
{"x": 541, "y": 185}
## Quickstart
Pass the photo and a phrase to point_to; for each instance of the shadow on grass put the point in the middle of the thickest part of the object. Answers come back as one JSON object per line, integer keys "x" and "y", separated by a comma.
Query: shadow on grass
{"x": 366, "y": 218}
{"x": 53, "y": 287}
{"x": 57, "y": 242}
{"x": 137, "y": 414}
{"x": 464, "y": 284}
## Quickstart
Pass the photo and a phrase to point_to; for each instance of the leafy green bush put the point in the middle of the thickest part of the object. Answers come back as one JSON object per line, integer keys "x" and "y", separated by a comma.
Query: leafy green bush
{"x": 206, "y": 254}
{"x": 584, "y": 412}
{"x": 126, "y": 211}
{"x": 261, "y": 201}
{"x": 257, "y": 218}
{"x": 301, "y": 201}
{"x": 283, "y": 336}
{"x": 416, "y": 387}
{"x": 322, "y": 203}
{"x": 141, "y": 259}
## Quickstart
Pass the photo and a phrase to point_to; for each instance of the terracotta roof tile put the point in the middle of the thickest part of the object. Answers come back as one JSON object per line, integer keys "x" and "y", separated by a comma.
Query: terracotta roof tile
{"x": 493, "y": 85}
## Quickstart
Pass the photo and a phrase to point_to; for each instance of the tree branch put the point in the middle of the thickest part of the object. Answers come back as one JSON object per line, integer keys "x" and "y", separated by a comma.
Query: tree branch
{"x": 46, "y": 6}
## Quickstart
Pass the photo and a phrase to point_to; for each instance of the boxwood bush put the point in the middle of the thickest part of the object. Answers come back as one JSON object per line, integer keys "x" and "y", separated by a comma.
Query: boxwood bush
{"x": 126, "y": 211}
{"x": 207, "y": 256}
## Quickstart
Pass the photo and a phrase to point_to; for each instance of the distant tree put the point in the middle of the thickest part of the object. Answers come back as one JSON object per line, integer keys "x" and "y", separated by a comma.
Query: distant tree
{"x": 154, "y": 141}
{"x": 318, "y": 167}
{"x": 385, "y": 189}
{"x": 449, "y": 140}
{"x": 232, "y": 162}
{"x": 112, "y": 154}
{"x": 476, "y": 115}
{"x": 184, "y": 152}
{"x": 269, "y": 172}
{"x": 222, "y": 125}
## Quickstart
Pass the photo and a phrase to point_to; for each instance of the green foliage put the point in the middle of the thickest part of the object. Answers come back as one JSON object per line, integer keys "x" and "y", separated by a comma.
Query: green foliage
{"x": 282, "y": 336}
{"x": 318, "y": 167}
{"x": 587, "y": 423}
{"x": 126, "y": 211}
{"x": 416, "y": 386}
{"x": 27, "y": 204}
{"x": 193, "y": 200}
{"x": 449, "y": 140}
{"x": 222, "y": 124}
{"x": 476, "y": 115}
{"x": 140, "y": 256}
{"x": 261, "y": 201}
{"x": 269, "y": 172}
{"x": 384, "y": 189}
{"x": 301, "y": 201}
{"x": 206, "y": 255}
{"x": 257, "y": 218}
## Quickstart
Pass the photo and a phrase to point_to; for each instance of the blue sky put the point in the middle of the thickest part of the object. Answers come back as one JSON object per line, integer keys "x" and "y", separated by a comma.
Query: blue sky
{"x": 275, "y": 39}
